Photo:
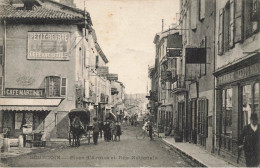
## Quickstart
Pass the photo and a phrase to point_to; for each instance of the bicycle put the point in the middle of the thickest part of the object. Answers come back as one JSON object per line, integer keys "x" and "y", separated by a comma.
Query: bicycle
{"x": 142, "y": 134}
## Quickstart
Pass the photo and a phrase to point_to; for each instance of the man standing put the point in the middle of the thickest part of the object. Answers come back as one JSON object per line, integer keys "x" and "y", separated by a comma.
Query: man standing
{"x": 250, "y": 142}
{"x": 95, "y": 130}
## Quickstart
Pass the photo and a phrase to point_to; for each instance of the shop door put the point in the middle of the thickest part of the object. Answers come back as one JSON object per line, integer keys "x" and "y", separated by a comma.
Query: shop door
{"x": 181, "y": 117}
{"x": 202, "y": 121}
{"x": 193, "y": 108}
{"x": 62, "y": 124}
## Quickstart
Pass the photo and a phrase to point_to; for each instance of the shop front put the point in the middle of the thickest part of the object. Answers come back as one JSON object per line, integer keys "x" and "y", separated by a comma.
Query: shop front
{"x": 237, "y": 98}
{"x": 22, "y": 116}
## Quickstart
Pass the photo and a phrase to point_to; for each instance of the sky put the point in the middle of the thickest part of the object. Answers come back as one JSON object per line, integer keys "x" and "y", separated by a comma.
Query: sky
{"x": 125, "y": 31}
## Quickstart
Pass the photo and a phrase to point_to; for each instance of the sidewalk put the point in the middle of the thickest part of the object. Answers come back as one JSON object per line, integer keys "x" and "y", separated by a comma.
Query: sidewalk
{"x": 196, "y": 153}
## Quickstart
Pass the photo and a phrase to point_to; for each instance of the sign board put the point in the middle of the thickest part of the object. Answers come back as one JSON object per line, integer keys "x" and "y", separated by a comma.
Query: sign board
{"x": 48, "y": 45}
{"x": 24, "y": 92}
{"x": 174, "y": 52}
{"x": 195, "y": 55}
{"x": 239, "y": 74}
{"x": 112, "y": 76}
{"x": 102, "y": 71}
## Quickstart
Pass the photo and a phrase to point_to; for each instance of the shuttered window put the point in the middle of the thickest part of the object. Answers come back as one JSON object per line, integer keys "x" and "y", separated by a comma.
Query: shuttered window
{"x": 55, "y": 86}
{"x": 238, "y": 21}
{"x": 251, "y": 18}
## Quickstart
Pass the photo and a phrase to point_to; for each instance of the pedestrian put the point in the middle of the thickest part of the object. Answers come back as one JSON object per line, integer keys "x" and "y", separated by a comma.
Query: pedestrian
{"x": 150, "y": 129}
{"x": 250, "y": 142}
{"x": 101, "y": 125}
{"x": 112, "y": 129}
{"x": 108, "y": 131}
{"x": 95, "y": 131}
{"x": 105, "y": 131}
{"x": 118, "y": 130}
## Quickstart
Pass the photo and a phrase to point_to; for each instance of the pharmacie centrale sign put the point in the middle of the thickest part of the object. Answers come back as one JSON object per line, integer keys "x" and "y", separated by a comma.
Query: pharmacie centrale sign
{"x": 48, "y": 45}
{"x": 24, "y": 92}
{"x": 242, "y": 73}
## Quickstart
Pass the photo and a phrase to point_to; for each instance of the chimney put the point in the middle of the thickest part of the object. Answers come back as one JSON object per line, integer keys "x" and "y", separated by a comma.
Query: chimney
{"x": 68, "y": 3}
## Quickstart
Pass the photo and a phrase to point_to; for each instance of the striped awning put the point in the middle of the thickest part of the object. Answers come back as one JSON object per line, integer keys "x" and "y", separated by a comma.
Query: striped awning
{"x": 26, "y": 108}
{"x": 29, "y": 104}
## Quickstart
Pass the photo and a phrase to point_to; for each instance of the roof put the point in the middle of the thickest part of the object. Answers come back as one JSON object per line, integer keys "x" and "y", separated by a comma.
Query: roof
{"x": 40, "y": 11}
{"x": 101, "y": 53}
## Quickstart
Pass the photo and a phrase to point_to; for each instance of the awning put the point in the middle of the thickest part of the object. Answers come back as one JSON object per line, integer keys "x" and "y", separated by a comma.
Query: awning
{"x": 26, "y": 108}
{"x": 18, "y": 104}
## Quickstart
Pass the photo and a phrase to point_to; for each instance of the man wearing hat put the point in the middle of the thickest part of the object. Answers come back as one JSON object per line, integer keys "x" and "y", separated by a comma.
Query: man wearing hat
{"x": 250, "y": 142}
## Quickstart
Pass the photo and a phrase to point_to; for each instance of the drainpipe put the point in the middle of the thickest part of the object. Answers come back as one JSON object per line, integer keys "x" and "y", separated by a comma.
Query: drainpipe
{"x": 214, "y": 85}
{"x": 4, "y": 62}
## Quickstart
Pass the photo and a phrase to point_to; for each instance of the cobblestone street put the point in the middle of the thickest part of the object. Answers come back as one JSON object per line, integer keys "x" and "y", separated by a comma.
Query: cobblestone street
{"x": 128, "y": 152}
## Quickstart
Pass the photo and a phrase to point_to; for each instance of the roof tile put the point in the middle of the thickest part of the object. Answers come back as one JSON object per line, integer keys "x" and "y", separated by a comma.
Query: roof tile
{"x": 38, "y": 12}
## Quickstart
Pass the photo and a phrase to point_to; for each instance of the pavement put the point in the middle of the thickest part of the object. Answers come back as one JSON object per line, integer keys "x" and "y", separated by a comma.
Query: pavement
{"x": 196, "y": 153}
{"x": 129, "y": 152}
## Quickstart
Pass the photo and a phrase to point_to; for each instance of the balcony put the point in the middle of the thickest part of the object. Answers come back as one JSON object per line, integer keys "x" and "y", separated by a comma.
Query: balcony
{"x": 179, "y": 85}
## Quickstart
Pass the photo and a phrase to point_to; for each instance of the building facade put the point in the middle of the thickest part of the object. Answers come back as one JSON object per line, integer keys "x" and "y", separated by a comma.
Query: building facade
{"x": 50, "y": 64}
{"x": 237, "y": 71}
{"x": 196, "y": 106}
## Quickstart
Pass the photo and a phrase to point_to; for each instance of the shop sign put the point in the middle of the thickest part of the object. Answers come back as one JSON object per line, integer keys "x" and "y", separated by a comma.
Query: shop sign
{"x": 112, "y": 77}
{"x": 48, "y": 45}
{"x": 24, "y": 92}
{"x": 239, "y": 74}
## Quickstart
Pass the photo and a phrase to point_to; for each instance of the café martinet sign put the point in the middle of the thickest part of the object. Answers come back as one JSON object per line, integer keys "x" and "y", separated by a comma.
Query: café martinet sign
{"x": 48, "y": 45}
{"x": 24, "y": 92}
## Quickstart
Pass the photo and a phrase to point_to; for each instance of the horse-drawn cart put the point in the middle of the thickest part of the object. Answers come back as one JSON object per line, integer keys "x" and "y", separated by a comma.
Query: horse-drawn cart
{"x": 79, "y": 119}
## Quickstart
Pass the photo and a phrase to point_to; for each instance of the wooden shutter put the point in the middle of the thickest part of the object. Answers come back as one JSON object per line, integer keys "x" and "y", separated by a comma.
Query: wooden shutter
{"x": 1, "y": 86}
{"x": 232, "y": 19}
{"x": 194, "y": 14}
{"x": 218, "y": 115}
{"x": 238, "y": 21}
{"x": 47, "y": 86}
{"x": 63, "y": 89}
{"x": 221, "y": 32}
{"x": 206, "y": 117}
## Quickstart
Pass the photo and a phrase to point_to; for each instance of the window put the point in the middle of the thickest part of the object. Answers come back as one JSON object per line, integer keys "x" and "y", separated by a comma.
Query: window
{"x": 250, "y": 17}
{"x": 55, "y": 86}
{"x": 1, "y": 54}
{"x": 226, "y": 27}
{"x": 256, "y": 98}
{"x": 227, "y": 112}
{"x": 247, "y": 104}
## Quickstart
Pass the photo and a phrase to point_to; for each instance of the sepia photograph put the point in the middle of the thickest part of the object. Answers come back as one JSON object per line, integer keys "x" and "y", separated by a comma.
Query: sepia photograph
{"x": 129, "y": 83}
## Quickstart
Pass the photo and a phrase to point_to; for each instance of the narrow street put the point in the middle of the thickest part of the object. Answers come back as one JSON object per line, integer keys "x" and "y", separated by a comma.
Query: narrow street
{"x": 128, "y": 152}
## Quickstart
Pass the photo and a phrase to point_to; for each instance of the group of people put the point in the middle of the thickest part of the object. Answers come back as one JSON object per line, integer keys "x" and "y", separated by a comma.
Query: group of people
{"x": 132, "y": 119}
{"x": 112, "y": 130}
